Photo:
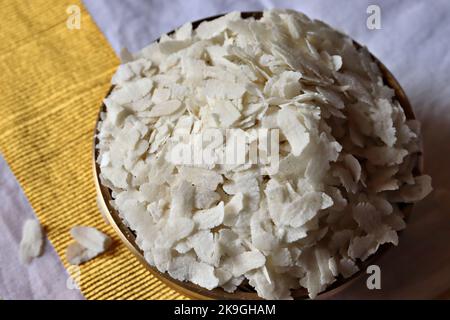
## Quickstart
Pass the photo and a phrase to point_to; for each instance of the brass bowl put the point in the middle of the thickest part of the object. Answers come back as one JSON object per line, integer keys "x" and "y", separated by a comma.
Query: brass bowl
{"x": 244, "y": 291}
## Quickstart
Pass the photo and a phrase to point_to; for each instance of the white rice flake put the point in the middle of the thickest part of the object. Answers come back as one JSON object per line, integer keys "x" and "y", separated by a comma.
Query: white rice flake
{"x": 91, "y": 238}
{"x": 203, "y": 275}
{"x": 132, "y": 91}
{"x": 89, "y": 243}
{"x": 76, "y": 254}
{"x": 32, "y": 241}
{"x": 293, "y": 129}
{"x": 209, "y": 218}
{"x": 200, "y": 177}
{"x": 247, "y": 261}
{"x": 348, "y": 156}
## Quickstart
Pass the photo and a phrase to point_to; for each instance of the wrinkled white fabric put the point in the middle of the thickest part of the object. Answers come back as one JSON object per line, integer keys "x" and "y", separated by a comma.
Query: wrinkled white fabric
{"x": 45, "y": 277}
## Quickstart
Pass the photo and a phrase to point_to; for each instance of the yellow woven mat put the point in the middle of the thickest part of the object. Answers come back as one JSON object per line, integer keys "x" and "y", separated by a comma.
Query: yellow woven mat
{"x": 52, "y": 82}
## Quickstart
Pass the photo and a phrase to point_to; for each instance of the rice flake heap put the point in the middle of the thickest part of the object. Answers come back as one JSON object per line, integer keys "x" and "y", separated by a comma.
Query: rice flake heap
{"x": 347, "y": 154}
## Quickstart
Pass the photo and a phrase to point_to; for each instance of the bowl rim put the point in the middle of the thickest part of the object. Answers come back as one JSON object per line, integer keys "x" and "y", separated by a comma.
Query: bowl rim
{"x": 194, "y": 291}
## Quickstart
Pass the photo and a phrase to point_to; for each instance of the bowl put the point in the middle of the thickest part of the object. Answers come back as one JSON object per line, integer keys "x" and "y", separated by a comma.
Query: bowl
{"x": 244, "y": 291}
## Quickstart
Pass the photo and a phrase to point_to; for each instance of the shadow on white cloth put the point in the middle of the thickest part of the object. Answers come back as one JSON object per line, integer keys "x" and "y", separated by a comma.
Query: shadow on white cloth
{"x": 45, "y": 277}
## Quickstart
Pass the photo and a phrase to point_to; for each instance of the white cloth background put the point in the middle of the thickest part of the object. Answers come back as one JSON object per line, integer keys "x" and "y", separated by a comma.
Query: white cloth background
{"x": 413, "y": 42}
{"x": 43, "y": 278}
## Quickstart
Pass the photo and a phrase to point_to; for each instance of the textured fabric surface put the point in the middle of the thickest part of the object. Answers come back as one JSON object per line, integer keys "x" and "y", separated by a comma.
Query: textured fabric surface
{"x": 52, "y": 82}
{"x": 44, "y": 278}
